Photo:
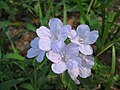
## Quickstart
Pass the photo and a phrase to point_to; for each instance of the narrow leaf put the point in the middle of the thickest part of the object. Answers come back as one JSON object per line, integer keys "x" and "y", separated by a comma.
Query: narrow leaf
{"x": 13, "y": 56}
{"x": 8, "y": 84}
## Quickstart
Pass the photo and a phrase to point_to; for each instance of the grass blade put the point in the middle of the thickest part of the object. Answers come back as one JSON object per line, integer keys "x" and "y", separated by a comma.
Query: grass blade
{"x": 80, "y": 7}
{"x": 11, "y": 42}
{"x": 10, "y": 83}
{"x": 109, "y": 25}
{"x": 13, "y": 56}
{"x": 64, "y": 13}
{"x": 108, "y": 86}
{"x": 106, "y": 47}
{"x": 40, "y": 13}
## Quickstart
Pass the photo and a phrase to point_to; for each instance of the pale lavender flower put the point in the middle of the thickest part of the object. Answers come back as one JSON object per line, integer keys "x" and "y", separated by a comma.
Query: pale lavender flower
{"x": 54, "y": 37}
{"x": 66, "y": 59}
{"x": 83, "y": 70}
{"x": 83, "y": 37}
{"x": 34, "y": 51}
{"x": 74, "y": 73}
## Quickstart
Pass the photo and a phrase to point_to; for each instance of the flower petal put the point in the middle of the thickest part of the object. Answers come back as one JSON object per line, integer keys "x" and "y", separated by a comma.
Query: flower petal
{"x": 76, "y": 40}
{"x": 45, "y": 44}
{"x": 87, "y": 61}
{"x": 78, "y": 60}
{"x": 74, "y": 74}
{"x": 72, "y": 50}
{"x": 57, "y": 45}
{"x": 84, "y": 72}
{"x": 32, "y": 52}
{"x": 64, "y": 32}
{"x": 71, "y": 63}
{"x": 43, "y": 32}
{"x": 86, "y": 49}
{"x": 82, "y": 30}
{"x": 55, "y": 25}
{"x": 54, "y": 57}
{"x": 76, "y": 81}
{"x": 41, "y": 55}
{"x": 91, "y": 37}
{"x": 34, "y": 43}
{"x": 72, "y": 34}
{"x": 59, "y": 67}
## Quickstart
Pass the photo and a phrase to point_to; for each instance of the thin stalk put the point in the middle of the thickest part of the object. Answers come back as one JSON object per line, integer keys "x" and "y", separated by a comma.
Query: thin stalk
{"x": 40, "y": 13}
{"x": 11, "y": 42}
{"x": 105, "y": 49}
{"x": 89, "y": 7}
{"x": 80, "y": 7}
{"x": 103, "y": 20}
{"x": 109, "y": 84}
{"x": 64, "y": 13}
{"x": 110, "y": 44}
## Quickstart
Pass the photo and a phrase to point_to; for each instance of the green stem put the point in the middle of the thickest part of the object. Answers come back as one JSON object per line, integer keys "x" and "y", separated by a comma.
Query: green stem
{"x": 103, "y": 22}
{"x": 110, "y": 44}
{"x": 11, "y": 42}
{"x": 40, "y": 13}
{"x": 109, "y": 83}
{"x": 64, "y": 14}
{"x": 80, "y": 7}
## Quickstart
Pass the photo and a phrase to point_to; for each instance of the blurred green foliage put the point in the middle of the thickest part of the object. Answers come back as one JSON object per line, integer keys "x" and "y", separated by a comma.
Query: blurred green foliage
{"x": 18, "y": 73}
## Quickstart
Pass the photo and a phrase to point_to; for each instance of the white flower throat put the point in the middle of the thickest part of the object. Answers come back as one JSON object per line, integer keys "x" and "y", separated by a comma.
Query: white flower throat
{"x": 64, "y": 58}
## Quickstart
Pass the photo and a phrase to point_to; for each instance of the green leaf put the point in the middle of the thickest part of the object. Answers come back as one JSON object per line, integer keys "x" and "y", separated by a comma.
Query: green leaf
{"x": 13, "y": 56}
{"x": 8, "y": 84}
{"x": 71, "y": 85}
{"x": 68, "y": 82}
{"x": 30, "y": 26}
{"x": 109, "y": 83}
{"x": 27, "y": 86}
{"x": 80, "y": 7}
{"x": 113, "y": 60}
{"x": 3, "y": 5}
{"x": 65, "y": 79}
{"x": 0, "y": 53}
{"x": 112, "y": 16}
{"x": 4, "y": 24}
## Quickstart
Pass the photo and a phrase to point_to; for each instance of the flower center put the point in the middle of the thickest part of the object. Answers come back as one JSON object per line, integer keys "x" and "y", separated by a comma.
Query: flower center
{"x": 81, "y": 40}
{"x": 64, "y": 58}
{"x": 54, "y": 36}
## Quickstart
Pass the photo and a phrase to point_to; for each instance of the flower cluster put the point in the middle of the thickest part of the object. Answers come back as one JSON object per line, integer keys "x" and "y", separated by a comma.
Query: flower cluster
{"x": 76, "y": 57}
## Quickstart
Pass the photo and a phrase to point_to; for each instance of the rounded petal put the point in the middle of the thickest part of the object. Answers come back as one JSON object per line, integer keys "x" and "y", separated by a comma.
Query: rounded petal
{"x": 72, "y": 50}
{"x": 76, "y": 81}
{"x": 59, "y": 67}
{"x": 34, "y": 43}
{"x": 43, "y": 32}
{"x": 76, "y": 40}
{"x": 73, "y": 72}
{"x": 72, "y": 34}
{"x": 32, "y": 52}
{"x": 87, "y": 61}
{"x": 82, "y": 30}
{"x": 41, "y": 55}
{"x": 57, "y": 46}
{"x": 86, "y": 49}
{"x": 71, "y": 63}
{"x": 91, "y": 37}
{"x": 78, "y": 60}
{"x": 64, "y": 32}
{"x": 84, "y": 72}
{"x": 54, "y": 57}
{"x": 45, "y": 44}
{"x": 55, "y": 25}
